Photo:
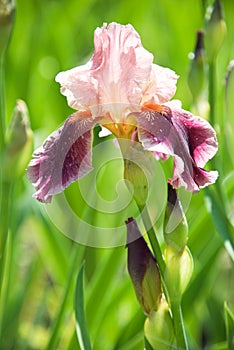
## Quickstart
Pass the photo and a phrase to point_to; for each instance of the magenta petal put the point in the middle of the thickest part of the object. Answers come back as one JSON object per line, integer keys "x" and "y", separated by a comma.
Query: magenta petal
{"x": 64, "y": 157}
{"x": 190, "y": 140}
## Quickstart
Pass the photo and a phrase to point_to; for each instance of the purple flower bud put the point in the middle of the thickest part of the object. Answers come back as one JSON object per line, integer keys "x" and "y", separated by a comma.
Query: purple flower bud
{"x": 143, "y": 269}
{"x": 196, "y": 77}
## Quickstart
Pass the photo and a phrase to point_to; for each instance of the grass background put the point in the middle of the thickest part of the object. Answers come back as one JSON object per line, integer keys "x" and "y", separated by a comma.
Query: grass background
{"x": 50, "y": 36}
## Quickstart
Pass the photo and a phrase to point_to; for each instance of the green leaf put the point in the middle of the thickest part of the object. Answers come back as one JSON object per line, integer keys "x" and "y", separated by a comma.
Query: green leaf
{"x": 229, "y": 321}
{"x": 219, "y": 346}
{"x": 81, "y": 327}
{"x": 220, "y": 220}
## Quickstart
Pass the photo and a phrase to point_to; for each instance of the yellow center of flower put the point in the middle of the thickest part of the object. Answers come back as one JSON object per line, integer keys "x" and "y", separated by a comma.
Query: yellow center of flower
{"x": 122, "y": 130}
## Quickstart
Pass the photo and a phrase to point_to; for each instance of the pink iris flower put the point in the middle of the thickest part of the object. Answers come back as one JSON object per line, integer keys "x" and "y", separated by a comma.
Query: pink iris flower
{"x": 121, "y": 89}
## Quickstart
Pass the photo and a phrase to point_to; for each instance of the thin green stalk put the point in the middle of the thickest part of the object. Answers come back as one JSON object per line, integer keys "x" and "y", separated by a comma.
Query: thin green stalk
{"x": 216, "y": 161}
{"x": 6, "y": 264}
{"x": 212, "y": 92}
{"x": 4, "y": 226}
{"x": 4, "y": 221}
{"x": 2, "y": 106}
{"x": 179, "y": 326}
{"x": 153, "y": 241}
{"x": 77, "y": 256}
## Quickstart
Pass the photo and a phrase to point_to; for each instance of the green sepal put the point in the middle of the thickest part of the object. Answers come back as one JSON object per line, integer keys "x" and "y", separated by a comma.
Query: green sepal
{"x": 179, "y": 269}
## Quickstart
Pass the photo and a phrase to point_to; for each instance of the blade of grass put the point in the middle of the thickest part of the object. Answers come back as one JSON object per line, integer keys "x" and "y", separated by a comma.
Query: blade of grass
{"x": 77, "y": 256}
{"x": 229, "y": 322}
{"x": 220, "y": 220}
{"x": 81, "y": 327}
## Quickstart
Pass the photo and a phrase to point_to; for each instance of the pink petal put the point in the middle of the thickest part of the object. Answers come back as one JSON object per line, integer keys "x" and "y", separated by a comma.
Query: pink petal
{"x": 190, "y": 140}
{"x": 115, "y": 74}
{"x": 161, "y": 86}
{"x": 64, "y": 157}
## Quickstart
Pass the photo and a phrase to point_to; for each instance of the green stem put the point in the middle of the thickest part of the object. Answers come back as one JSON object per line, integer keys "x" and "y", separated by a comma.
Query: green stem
{"x": 212, "y": 92}
{"x": 179, "y": 326}
{"x": 4, "y": 221}
{"x": 215, "y": 162}
{"x": 153, "y": 240}
{"x": 2, "y": 106}
{"x": 6, "y": 189}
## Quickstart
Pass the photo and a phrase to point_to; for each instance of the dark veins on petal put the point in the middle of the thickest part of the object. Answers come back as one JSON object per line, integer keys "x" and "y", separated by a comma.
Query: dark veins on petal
{"x": 190, "y": 140}
{"x": 64, "y": 157}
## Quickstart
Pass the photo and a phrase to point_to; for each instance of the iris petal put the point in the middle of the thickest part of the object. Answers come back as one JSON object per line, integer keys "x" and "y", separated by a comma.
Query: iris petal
{"x": 189, "y": 139}
{"x": 161, "y": 86}
{"x": 64, "y": 157}
{"x": 114, "y": 77}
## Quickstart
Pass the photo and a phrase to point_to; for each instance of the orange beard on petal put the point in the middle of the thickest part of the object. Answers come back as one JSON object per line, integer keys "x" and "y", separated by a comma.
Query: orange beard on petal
{"x": 156, "y": 107}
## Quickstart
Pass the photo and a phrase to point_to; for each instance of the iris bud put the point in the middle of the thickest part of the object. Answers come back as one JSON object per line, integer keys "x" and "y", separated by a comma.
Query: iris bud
{"x": 7, "y": 10}
{"x": 179, "y": 268}
{"x": 143, "y": 269}
{"x": 19, "y": 144}
{"x": 158, "y": 328}
{"x": 176, "y": 227}
{"x": 196, "y": 77}
{"x": 215, "y": 30}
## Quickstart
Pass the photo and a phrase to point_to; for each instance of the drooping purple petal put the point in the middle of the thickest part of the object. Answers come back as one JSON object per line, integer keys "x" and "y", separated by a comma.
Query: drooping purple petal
{"x": 189, "y": 139}
{"x": 202, "y": 138}
{"x": 64, "y": 157}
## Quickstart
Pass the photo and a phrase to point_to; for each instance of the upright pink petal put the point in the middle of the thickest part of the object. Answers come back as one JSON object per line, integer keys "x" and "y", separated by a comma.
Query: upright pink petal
{"x": 64, "y": 157}
{"x": 114, "y": 76}
{"x": 190, "y": 140}
{"x": 161, "y": 86}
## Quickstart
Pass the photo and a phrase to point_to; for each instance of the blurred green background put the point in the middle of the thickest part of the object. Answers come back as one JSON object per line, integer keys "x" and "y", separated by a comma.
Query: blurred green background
{"x": 54, "y": 35}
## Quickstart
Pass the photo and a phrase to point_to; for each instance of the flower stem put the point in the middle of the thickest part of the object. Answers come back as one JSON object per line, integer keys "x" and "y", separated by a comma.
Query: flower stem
{"x": 2, "y": 106}
{"x": 212, "y": 92}
{"x": 6, "y": 190}
{"x": 179, "y": 325}
{"x": 153, "y": 241}
{"x": 176, "y": 311}
{"x": 4, "y": 216}
{"x": 226, "y": 235}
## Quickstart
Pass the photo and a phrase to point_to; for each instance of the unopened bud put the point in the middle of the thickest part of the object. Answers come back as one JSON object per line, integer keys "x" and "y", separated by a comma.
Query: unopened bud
{"x": 215, "y": 30}
{"x": 179, "y": 268}
{"x": 175, "y": 223}
{"x": 143, "y": 269}
{"x": 19, "y": 144}
{"x": 7, "y": 11}
{"x": 158, "y": 328}
{"x": 196, "y": 77}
